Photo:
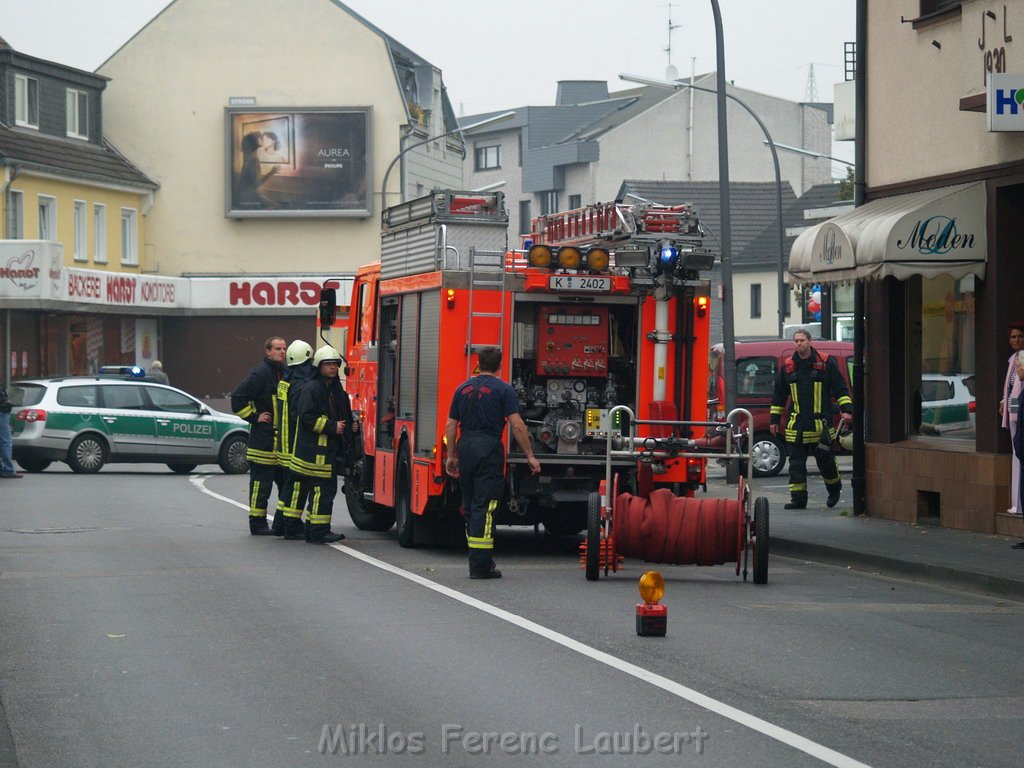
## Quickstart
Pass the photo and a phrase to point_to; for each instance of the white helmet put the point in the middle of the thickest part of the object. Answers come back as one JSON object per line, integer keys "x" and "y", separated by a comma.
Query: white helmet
{"x": 299, "y": 352}
{"x": 326, "y": 354}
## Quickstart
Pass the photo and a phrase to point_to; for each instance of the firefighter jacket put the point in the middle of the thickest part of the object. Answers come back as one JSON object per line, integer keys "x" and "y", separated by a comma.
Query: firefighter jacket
{"x": 288, "y": 391}
{"x": 322, "y": 404}
{"x": 811, "y": 385}
{"x": 255, "y": 395}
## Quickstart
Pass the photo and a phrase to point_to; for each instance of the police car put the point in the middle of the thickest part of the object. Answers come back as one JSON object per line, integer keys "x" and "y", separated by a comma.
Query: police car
{"x": 89, "y": 421}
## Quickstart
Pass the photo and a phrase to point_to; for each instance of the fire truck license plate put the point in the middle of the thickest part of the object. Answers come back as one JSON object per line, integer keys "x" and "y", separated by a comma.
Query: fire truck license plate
{"x": 579, "y": 283}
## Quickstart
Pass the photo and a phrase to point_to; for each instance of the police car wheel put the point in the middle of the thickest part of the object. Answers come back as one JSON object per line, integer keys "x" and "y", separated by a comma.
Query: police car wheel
{"x": 87, "y": 454}
{"x": 232, "y": 456}
{"x": 182, "y": 469}
{"x": 33, "y": 465}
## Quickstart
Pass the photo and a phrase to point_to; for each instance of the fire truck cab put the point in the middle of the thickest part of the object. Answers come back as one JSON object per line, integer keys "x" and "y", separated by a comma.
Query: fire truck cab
{"x": 604, "y": 306}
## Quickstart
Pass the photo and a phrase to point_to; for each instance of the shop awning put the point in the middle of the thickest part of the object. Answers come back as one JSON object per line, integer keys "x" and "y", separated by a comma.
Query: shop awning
{"x": 935, "y": 232}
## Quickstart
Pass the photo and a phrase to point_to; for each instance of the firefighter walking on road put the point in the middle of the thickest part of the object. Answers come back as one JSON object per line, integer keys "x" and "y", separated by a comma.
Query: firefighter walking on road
{"x": 288, "y": 515}
{"x": 478, "y": 413}
{"x": 324, "y": 432}
{"x": 810, "y": 380}
{"x": 255, "y": 400}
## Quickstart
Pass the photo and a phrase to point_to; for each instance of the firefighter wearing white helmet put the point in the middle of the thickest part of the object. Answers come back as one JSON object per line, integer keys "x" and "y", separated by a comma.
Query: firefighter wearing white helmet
{"x": 324, "y": 434}
{"x": 290, "y": 501}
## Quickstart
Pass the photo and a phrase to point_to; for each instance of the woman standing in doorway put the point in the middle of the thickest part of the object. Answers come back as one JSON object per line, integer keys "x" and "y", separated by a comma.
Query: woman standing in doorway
{"x": 1008, "y": 407}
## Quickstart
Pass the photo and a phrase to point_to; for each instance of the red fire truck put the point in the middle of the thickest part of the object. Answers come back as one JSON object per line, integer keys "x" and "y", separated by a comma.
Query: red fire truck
{"x": 605, "y": 306}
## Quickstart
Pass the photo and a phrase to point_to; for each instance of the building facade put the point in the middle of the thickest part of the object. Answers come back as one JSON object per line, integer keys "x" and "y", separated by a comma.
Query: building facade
{"x": 937, "y": 247}
{"x": 74, "y": 213}
{"x": 270, "y": 141}
{"x": 580, "y": 150}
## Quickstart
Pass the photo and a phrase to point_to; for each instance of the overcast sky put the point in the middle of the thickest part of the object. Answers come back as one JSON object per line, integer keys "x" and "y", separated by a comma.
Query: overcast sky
{"x": 506, "y": 54}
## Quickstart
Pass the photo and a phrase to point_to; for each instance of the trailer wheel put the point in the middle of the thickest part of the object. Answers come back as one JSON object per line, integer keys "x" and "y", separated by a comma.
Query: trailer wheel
{"x": 761, "y": 540}
{"x": 593, "y": 564}
{"x": 404, "y": 518}
{"x": 366, "y": 515}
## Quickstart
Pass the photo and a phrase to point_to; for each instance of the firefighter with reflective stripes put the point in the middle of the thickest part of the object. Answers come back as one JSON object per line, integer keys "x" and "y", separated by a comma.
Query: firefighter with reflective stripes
{"x": 255, "y": 400}
{"x": 324, "y": 431}
{"x": 288, "y": 516}
{"x": 810, "y": 380}
{"x": 477, "y": 415}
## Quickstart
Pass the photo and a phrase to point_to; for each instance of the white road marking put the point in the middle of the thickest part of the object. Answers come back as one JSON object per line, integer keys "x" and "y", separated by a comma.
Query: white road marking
{"x": 795, "y": 740}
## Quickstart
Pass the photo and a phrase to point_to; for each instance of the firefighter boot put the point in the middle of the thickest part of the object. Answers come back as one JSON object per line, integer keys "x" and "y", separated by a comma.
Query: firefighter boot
{"x": 258, "y": 526}
{"x": 834, "y": 489}
{"x": 280, "y": 523}
{"x": 797, "y": 501}
{"x": 320, "y": 533}
{"x": 294, "y": 530}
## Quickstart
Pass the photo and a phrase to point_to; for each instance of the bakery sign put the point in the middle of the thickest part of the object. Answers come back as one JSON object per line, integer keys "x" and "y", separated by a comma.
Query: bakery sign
{"x": 30, "y": 269}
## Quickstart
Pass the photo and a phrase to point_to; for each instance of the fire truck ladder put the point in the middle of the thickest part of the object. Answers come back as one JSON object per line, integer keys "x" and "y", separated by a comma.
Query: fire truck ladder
{"x": 486, "y": 272}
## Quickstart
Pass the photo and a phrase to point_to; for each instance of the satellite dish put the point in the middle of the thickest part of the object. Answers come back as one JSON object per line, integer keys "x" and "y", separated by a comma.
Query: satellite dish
{"x": 671, "y": 73}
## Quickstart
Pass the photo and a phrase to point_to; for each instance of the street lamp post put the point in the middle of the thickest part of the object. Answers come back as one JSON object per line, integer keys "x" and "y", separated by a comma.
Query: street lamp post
{"x": 783, "y": 291}
{"x": 489, "y": 121}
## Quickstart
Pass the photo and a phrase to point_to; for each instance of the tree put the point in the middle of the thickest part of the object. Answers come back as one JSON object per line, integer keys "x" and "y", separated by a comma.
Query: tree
{"x": 846, "y": 185}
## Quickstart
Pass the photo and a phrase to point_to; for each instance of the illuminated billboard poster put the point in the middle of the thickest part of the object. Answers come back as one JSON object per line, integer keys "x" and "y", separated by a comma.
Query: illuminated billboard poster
{"x": 287, "y": 162}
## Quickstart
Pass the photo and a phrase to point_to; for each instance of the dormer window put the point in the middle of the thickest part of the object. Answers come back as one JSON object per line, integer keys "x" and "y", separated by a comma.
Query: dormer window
{"x": 26, "y": 101}
{"x": 78, "y": 114}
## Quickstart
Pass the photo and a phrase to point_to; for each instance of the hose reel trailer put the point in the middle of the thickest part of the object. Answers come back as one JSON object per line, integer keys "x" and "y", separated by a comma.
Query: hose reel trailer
{"x": 657, "y": 526}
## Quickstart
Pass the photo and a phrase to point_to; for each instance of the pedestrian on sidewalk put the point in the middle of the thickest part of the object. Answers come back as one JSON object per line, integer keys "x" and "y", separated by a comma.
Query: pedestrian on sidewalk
{"x": 255, "y": 400}
{"x": 480, "y": 407}
{"x": 1018, "y": 435}
{"x": 157, "y": 374}
{"x": 1008, "y": 406}
{"x": 810, "y": 380}
{"x": 6, "y": 448}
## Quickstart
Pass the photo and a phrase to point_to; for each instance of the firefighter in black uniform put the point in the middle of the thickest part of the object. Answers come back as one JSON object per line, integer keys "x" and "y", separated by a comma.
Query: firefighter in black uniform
{"x": 324, "y": 433}
{"x": 255, "y": 400}
{"x": 288, "y": 515}
{"x": 810, "y": 379}
{"x": 479, "y": 409}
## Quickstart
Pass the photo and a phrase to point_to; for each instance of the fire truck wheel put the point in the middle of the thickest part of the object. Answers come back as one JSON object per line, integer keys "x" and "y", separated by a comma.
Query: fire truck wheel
{"x": 366, "y": 515}
{"x": 593, "y": 563}
{"x": 761, "y": 540}
{"x": 404, "y": 519}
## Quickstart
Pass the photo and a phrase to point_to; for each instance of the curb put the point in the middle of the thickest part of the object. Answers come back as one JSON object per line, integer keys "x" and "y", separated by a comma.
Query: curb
{"x": 887, "y": 566}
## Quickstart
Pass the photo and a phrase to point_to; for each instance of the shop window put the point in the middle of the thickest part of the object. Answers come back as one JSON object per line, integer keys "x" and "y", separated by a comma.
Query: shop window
{"x": 947, "y": 386}
{"x": 26, "y": 101}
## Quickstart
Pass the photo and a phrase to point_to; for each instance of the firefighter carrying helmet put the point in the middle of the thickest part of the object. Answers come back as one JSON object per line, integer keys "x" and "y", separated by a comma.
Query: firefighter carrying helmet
{"x": 299, "y": 352}
{"x": 326, "y": 354}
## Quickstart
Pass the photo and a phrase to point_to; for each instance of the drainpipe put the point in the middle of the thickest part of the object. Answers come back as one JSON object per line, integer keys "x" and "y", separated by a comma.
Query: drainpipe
{"x": 859, "y": 303}
{"x": 11, "y": 174}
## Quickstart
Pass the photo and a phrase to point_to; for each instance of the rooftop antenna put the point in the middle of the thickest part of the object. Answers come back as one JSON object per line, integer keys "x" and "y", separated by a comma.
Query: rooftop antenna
{"x": 671, "y": 73}
{"x": 811, "y": 92}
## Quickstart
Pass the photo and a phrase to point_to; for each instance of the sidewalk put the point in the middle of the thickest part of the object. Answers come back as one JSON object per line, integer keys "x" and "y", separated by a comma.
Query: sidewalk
{"x": 978, "y": 562}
